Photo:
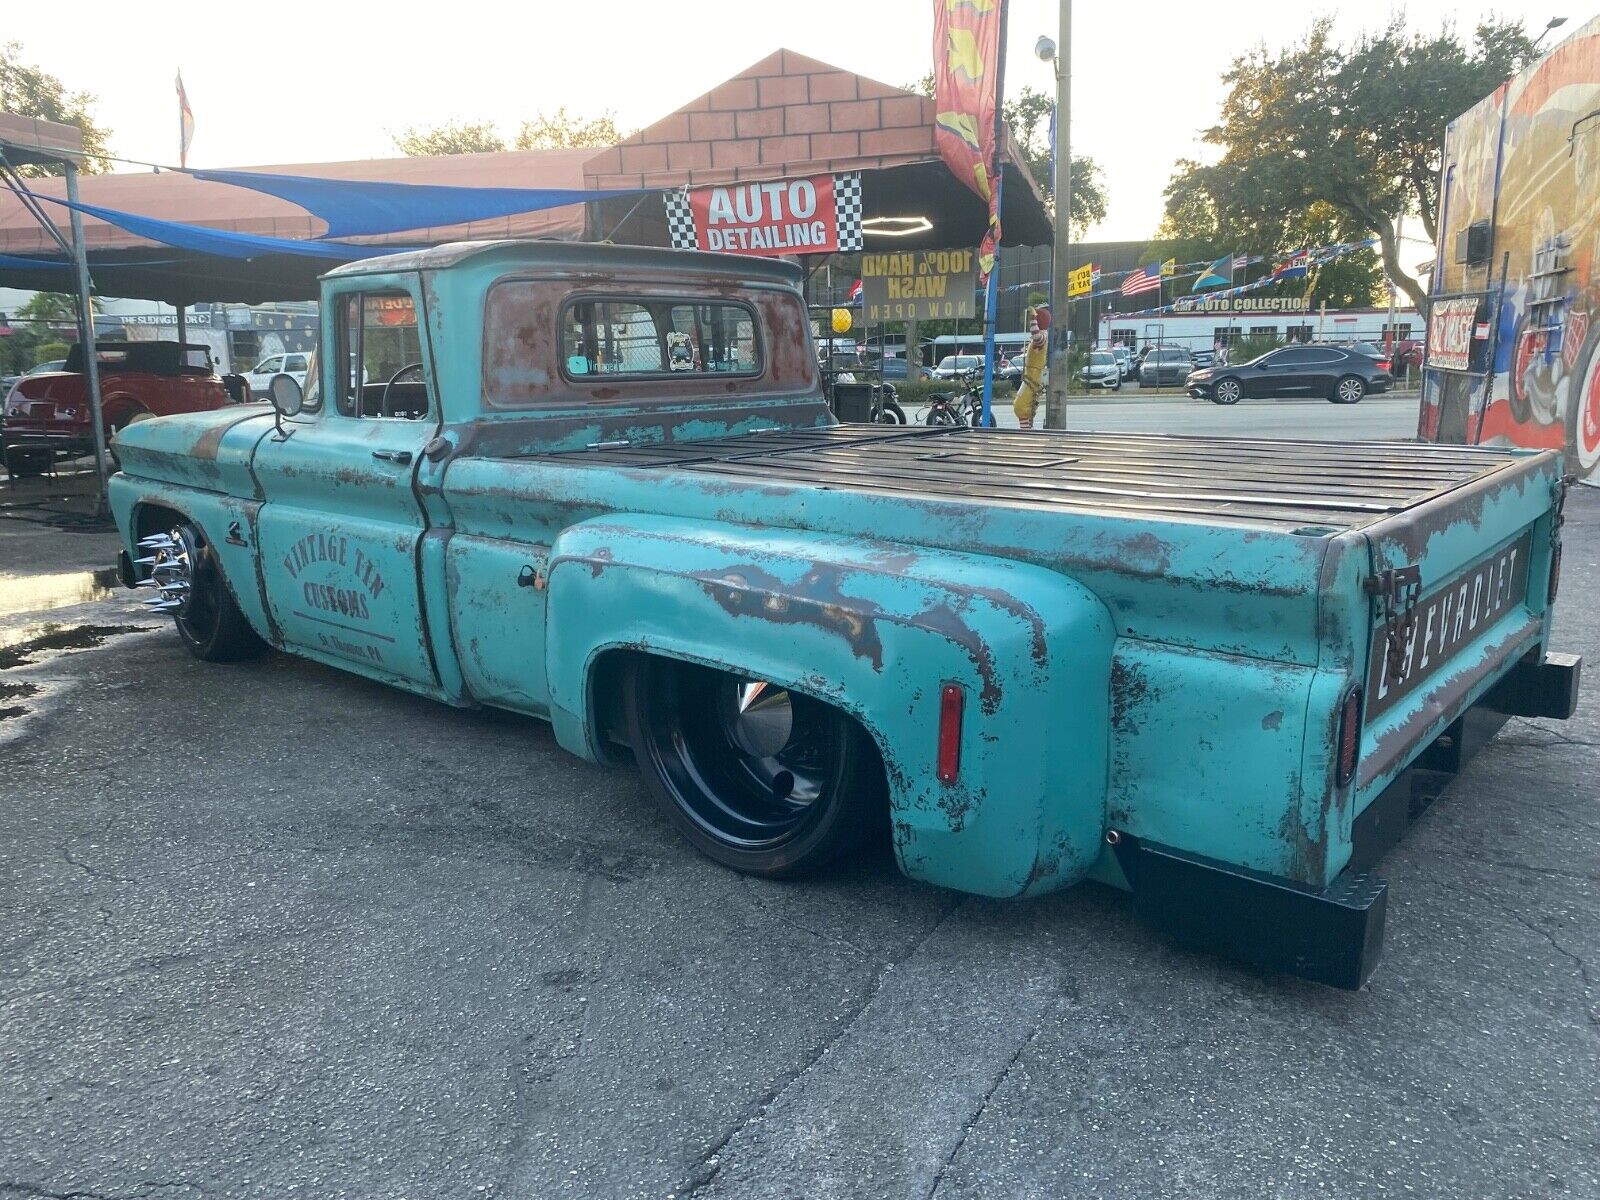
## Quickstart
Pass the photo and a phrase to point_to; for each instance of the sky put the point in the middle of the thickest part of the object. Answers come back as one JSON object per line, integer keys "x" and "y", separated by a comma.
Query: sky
{"x": 336, "y": 80}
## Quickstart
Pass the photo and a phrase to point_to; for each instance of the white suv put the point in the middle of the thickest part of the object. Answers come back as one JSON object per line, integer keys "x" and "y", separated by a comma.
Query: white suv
{"x": 262, "y": 374}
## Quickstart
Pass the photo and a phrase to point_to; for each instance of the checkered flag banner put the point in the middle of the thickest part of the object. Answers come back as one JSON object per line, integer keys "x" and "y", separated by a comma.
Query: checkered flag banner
{"x": 847, "y": 208}
{"x": 680, "y": 219}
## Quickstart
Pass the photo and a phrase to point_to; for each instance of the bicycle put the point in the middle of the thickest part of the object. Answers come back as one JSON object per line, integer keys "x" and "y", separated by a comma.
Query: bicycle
{"x": 963, "y": 410}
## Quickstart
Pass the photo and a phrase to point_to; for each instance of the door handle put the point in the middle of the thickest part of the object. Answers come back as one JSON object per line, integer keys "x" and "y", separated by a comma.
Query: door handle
{"x": 403, "y": 457}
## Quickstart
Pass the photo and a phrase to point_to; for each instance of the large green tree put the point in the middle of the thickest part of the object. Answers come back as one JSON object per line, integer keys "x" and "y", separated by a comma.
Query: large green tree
{"x": 1027, "y": 115}
{"x": 453, "y": 137}
{"x": 562, "y": 130}
{"x": 558, "y": 130}
{"x": 28, "y": 91}
{"x": 1354, "y": 128}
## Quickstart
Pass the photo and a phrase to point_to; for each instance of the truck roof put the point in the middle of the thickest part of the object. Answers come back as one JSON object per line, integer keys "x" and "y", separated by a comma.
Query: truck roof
{"x": 511, "y": 252}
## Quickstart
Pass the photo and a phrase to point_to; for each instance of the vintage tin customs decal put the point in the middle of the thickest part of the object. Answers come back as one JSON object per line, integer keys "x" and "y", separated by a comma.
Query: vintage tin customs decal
{"x": 342, "y": 602}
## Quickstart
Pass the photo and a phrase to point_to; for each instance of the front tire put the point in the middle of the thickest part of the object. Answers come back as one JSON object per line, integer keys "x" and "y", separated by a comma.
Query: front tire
{"x": 891, "y": 414}
{"x": 208, "y": 621}
{"x": 1227, "y": 391}
{"x": 1349, "y": 390}
{"x": 758, "y": 778}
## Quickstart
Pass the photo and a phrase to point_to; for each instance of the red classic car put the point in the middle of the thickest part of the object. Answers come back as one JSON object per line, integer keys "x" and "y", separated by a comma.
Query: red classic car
{"x": 47, "y": 415}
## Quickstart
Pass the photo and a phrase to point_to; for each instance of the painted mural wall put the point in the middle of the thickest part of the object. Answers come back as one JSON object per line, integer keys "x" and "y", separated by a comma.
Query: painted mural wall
{"x": 1527, "y": 160}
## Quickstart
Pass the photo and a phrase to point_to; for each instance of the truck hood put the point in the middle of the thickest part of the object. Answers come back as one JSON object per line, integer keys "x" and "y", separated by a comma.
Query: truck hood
{"x": 210, "y": 450}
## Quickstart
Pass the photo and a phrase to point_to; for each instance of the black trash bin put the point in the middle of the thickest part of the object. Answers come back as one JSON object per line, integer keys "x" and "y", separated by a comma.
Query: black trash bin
{"x": 853, "y": 402}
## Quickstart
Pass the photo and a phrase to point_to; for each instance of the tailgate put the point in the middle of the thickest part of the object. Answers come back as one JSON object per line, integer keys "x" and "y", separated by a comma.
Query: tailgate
{"x": 1460, "y": 580}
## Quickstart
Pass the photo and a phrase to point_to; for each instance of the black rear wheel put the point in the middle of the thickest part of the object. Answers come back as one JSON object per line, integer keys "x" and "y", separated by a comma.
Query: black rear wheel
{"x": 1349, "y": 390}
{"x": 761, "y": 779}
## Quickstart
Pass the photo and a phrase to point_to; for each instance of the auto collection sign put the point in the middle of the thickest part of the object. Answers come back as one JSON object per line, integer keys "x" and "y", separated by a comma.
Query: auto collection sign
{"x": 1451, "y": 324}
{"x": 818, "y": 214}
{"x": 1243, "y": 304}
{"x": 919, "y": 285}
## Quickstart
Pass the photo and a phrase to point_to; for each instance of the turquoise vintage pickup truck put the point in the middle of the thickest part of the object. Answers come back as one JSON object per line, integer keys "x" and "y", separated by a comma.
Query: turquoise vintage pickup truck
{"x": 600, "y": 485}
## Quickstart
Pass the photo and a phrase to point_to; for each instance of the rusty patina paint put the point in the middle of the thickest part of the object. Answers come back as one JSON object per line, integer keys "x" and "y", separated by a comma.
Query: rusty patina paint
{"x": 1150, "y": 642}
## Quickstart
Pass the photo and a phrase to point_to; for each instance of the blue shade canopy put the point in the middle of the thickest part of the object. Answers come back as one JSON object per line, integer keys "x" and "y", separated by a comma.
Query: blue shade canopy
{"x": 14, "y": 263}
{"x": 220, "y": 242}
{"x": 357, "y": 208}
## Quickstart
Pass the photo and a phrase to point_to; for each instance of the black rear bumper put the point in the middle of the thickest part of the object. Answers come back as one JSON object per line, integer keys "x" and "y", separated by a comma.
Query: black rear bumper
{"x": 1332, "y": 935}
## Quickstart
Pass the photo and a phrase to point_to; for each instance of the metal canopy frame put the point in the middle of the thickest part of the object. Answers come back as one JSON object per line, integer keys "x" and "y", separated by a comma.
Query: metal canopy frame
{"x": 28, "y": 141}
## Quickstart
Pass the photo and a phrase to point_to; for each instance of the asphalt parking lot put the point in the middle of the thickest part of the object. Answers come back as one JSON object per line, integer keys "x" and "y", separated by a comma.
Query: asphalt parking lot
{"x": 272, "y": 930}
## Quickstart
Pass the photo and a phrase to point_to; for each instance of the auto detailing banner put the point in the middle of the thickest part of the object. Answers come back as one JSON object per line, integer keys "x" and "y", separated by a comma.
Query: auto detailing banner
{"x": 820, "y": 214}
{"x": 924, "y": 285}
{"x": 1450, "y": 328}
{"x": 966, "y": 85}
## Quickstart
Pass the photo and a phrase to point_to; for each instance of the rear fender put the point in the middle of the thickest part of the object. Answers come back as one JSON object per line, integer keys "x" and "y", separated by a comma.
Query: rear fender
{"x": 876, "y": 629}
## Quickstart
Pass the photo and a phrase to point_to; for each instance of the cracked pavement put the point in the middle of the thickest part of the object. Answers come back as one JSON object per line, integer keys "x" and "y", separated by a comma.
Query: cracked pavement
{"x": 270, "y": 930}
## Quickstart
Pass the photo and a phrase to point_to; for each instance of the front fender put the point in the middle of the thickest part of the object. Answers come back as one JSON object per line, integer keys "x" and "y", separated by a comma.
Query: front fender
{"x": 877, "y": 629}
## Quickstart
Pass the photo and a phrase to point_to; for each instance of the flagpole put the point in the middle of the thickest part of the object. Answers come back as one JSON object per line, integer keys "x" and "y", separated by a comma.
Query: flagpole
{"x": 998, "y": 167}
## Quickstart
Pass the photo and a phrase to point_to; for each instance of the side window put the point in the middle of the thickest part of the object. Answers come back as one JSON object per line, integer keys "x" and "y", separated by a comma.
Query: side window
{"x": 648, "y": 336}
{"x": 378, "y": 356}
{"x": 295, "y": 362}
{"x": 269, "y": 364}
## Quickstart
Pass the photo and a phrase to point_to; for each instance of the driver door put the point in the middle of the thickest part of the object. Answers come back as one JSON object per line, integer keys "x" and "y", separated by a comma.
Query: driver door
{"x": 341, "y": 523}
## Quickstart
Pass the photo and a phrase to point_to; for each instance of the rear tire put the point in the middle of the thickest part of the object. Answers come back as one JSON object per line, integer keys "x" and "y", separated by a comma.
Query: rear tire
{"x": 25, "y": 464}
{"x": 1348, "y": 390}
{"x": 208, "y": 622}
{"x": 760, "y": 779}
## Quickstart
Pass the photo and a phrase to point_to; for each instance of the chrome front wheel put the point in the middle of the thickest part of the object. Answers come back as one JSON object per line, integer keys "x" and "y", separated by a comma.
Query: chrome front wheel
{"x": 186, "y": 582}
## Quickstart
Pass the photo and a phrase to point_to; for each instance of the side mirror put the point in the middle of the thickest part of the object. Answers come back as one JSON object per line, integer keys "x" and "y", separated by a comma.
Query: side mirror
{"x": 287, "y": 396}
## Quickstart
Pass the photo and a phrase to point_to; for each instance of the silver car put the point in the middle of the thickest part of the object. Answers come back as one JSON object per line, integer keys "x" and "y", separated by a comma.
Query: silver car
{"x": 1103, "y": 371}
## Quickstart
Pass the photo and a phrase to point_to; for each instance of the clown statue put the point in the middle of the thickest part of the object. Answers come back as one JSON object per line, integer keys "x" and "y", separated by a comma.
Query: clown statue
{"x": 1032, "y": 387}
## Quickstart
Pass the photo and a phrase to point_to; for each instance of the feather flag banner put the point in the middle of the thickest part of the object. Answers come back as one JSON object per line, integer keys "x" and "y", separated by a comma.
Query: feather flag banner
{"x": 966, "y": 80}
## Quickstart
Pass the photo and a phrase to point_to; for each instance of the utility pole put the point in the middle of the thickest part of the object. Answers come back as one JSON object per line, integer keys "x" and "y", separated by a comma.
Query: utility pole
{"x": 1055, "y": 406}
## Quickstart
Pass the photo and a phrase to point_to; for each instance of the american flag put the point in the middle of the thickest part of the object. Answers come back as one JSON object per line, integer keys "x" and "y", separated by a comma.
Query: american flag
{"x": 1146, "y": 280}
{"x": 1241, "y": 261}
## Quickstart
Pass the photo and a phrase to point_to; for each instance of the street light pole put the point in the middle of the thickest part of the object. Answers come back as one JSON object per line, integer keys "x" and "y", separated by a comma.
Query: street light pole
{"x": 1055, "y": 407}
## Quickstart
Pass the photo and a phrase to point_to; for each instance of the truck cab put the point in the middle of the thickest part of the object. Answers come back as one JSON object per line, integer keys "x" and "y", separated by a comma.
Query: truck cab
{"x": 600, "y": 485}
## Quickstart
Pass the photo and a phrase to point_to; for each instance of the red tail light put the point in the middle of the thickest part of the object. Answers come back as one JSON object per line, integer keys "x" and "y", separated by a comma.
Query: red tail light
{"x": 1555, "y": 574}
{"x": 1349, "y": 737}
{"x": 1383, "y": 364}
{"x": 951, "y": 701}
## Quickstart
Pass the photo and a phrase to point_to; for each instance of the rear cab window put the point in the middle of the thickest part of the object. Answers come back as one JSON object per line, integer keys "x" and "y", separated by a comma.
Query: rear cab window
{"x": 577, "y": 342}
{"x": 646, "y": 337}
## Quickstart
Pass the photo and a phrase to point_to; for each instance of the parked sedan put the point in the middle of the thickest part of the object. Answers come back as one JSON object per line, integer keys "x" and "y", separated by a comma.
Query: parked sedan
{"x": 1103, "y": 371}
{"x": 953, "y": 366}
{"x": 1165, "y": 365}
{"x": 1125, "y": 363}
{"x": 1335, "y": 373}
